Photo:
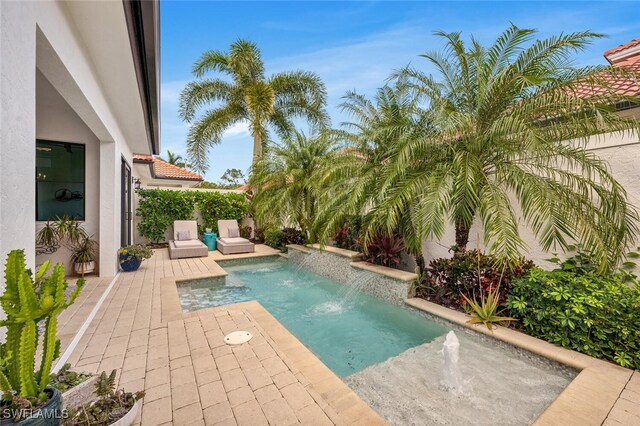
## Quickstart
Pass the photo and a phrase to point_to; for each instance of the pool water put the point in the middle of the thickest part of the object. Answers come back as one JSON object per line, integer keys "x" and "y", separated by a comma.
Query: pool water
{"x": 348, "y": 330}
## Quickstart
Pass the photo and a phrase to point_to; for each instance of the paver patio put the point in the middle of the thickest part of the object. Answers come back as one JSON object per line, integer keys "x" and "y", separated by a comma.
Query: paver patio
{"x": 192, "y": 377}
{"x": 189, "y": 374}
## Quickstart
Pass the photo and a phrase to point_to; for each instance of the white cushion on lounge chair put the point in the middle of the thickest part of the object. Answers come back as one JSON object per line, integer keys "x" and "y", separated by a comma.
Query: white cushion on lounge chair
{"x": 188, "y": 243}
{"x": 234, "y": 240}
{"x": 190, "y": 226}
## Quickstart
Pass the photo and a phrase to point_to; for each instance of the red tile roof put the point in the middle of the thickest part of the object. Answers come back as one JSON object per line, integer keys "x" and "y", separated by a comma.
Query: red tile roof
{"x": 627, "y": 84}
{"x": 163, "y": 170}
{"x": 632, "y": 43}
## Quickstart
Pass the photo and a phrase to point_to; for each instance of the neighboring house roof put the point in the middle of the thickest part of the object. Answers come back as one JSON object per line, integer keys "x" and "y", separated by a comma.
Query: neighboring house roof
{"x": 244, "y": 187}
{"x": 625, "y": 56}
{"x": 162, "y": 170}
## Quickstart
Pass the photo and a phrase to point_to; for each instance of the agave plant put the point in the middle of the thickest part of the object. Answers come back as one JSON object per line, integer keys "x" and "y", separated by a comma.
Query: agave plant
{"x": 26, "y": 302}
{"x": 485, "y": 311}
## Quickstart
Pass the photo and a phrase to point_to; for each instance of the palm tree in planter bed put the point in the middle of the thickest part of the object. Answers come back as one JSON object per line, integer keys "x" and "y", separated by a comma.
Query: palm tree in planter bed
{"x": 247, "y": 96}
{"x": 132, "y": 256}
{"x": 500, "y": 120}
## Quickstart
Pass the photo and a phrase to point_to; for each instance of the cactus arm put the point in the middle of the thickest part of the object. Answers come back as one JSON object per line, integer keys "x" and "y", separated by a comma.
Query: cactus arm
{"x": 76, "y": 291}
{"x": 48, "y": 353}
{"x": 26, "y": 360}
{"x": 12, "y": 347}
{"x": 12, "y": 272}
{"x": 5, "y": 384}
{"x": 42, "y": 270}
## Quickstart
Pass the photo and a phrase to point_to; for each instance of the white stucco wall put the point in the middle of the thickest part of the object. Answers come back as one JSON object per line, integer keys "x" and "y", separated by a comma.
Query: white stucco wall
{"x": 56, "y": 121}
{"x": 83, "y": 50}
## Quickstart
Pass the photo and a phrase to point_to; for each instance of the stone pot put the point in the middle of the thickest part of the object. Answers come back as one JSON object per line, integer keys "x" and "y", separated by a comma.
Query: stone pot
{"x": 87, "y": 267}
{"x": 130, "y": 417}
{"x": 80, "y": 395}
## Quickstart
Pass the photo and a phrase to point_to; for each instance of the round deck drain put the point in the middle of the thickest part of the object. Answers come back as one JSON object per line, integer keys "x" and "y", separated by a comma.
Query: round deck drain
{"x": 237, "y": 337}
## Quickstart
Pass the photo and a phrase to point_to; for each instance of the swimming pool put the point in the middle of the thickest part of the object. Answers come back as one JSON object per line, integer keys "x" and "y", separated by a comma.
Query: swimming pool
{"x": 347, "y": 329}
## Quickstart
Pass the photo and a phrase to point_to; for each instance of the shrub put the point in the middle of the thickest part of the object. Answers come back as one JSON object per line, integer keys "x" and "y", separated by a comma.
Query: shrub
{"x": 214, "y": 206}
{"x": 273, "y": 238}
{"x": 159, "y": 208}
{"x": 594, "y": 314}
{"x": 279, "y": 238}
{"x": 348, "y": 236}
{"x": 245, "y": 231}
{"x": 258, "y": 236}
{"x": 469, "y": 273}
{"x": 385, "y": 250}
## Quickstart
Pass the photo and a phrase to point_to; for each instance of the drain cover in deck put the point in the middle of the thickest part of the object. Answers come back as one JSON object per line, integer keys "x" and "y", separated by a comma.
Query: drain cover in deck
{"x": 237, "y": 337}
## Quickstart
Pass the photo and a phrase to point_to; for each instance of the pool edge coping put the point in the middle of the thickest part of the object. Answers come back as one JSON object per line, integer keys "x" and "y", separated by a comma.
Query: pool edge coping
{"x": 330, "y": 388}
{"x": 587, "y": 399}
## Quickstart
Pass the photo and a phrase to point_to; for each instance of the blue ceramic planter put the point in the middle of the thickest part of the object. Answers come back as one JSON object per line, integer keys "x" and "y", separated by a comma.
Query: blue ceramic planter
{"x": 129, "y": 265}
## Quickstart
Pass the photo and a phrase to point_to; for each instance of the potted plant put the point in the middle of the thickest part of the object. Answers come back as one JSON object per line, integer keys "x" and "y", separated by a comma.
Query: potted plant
{"x": 132, "y": 256}
{"x": 112, "y": 407}
{"x": 84, "y": 254}
{"x": 76, "y": 387}
{"x": 27, "y": 301}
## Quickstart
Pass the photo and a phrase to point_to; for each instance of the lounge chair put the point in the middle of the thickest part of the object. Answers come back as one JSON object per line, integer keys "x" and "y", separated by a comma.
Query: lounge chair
{"x": 185, "y": 241}
{"x": 232, "y": 244}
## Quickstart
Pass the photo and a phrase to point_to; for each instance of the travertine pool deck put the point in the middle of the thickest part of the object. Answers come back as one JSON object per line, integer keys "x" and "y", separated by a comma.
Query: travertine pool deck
{"x": 190, "y": 376}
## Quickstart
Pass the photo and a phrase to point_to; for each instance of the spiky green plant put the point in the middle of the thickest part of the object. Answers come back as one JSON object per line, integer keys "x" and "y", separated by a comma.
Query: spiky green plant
{"x": 26, "y": 302}
{"x": 485, "y": 311}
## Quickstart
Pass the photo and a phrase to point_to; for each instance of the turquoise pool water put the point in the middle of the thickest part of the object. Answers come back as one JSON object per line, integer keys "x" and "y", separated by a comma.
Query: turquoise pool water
{"x": 348, "y": 330}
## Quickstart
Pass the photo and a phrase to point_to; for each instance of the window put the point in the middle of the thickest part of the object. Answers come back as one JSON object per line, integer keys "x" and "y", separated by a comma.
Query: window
{"x": 59, "y": 180}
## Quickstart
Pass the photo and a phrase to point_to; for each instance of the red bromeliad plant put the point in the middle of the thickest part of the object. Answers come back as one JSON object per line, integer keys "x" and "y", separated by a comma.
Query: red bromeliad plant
{"x": 385, "y": 250}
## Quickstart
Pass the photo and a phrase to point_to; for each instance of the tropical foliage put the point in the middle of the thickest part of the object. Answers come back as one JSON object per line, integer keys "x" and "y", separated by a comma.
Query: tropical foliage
{"x": 175, "y": 159}
{"x": 385, "y": 250}
{"x": 286, "y": 180}
{"x": 279, "y": 238}
{"x": 484, "y": 138}
{"x": 354, "y": 182}
{"x": 468, "y": 275}
{"x": 246, "y": 95}
{"x": 27, "y": 301}
{"x": 159, "y": 208}
{"x": 587, "y": 312}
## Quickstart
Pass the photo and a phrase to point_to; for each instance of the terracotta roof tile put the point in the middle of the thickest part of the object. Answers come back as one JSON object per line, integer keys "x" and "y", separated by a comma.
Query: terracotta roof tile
{"x": 164, "y": 170}
{"x": 622, "y": 47}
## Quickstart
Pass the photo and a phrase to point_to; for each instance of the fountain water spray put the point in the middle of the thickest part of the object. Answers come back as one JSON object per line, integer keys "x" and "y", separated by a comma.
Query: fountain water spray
{"x": 451, "y": 376}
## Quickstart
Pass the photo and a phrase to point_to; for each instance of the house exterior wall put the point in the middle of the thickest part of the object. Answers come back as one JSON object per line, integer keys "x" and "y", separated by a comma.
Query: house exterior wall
{"x": 56, "y": 121}
{"x": 622, "y": 153}
{"x": 57, "y": 38}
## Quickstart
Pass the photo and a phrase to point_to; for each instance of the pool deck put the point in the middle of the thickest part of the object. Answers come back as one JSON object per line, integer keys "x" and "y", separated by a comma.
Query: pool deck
{"x": 190, "y": 376}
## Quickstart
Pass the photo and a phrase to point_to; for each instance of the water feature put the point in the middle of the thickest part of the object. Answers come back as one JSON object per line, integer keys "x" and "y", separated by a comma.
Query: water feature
{"x": 451, "y": 376}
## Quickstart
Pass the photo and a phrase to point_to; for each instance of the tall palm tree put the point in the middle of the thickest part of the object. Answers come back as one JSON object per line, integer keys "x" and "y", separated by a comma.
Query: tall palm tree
{"x": 286, "y": 180}
{"x": 509, "y": 126}
{"x": 246, "y": 95}
{"x": 353, "y": 181}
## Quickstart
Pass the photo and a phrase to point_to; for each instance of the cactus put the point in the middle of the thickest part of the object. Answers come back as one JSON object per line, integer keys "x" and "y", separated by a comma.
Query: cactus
{"x": 27, "y": 302}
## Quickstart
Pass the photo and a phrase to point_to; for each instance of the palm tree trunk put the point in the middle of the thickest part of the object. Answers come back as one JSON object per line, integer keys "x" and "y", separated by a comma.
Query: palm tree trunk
{"x": 462, "y": 237}
{"x": 257, "y": 147}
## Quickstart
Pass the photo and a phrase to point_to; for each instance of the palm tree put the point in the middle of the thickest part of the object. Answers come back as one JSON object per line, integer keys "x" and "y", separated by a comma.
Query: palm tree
{"x": 286, "y": 180}
{"x": 247, "y": 95}
{"x": 508, "y": 127}
{"x": 175, "y": 159}
{"x": 353, "y": 181}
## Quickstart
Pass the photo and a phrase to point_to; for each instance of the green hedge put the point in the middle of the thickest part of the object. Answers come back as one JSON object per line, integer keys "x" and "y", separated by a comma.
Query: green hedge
{"x": 594, "y": 314}
{"x": 159, "y": 208}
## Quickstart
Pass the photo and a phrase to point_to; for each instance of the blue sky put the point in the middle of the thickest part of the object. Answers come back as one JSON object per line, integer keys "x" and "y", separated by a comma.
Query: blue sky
{"x": 352, "y": 45}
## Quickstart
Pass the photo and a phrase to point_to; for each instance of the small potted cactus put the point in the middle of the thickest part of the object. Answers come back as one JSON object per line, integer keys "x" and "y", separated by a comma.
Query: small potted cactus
{"x": 28, "y": 301}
